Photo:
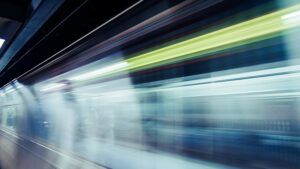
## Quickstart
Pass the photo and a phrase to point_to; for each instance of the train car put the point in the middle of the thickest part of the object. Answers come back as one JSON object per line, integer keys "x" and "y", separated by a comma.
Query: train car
{"x": 184, "y": 88}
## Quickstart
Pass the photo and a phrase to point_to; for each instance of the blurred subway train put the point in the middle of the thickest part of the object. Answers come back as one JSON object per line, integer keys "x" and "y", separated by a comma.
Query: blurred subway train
{"x": 194, "y": 84}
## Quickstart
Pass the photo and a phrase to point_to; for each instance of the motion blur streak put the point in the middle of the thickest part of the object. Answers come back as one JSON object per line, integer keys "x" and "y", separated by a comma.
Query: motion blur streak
{"x": 199, "y": 85}
{"x": 246, "y": 32}
{"x": 236, "y": 35}
{"x": 106, "y": 70}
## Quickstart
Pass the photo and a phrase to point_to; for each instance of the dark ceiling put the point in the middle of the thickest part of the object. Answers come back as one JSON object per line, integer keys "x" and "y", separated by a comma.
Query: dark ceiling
{"x": 37, "y": 29}
{"x": 15, "y": 9}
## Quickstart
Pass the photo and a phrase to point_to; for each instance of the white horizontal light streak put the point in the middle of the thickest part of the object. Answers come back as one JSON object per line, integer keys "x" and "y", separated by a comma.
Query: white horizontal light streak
{"x": 281, "y": 70}
{"x": 96, "y": 73}
{"x": 255, "y": 82}
{"x": 9, "y": 89}
{"x": 292, "y": 15}
{"x": 292, "y": 18}
{"x": 53, "y": 86}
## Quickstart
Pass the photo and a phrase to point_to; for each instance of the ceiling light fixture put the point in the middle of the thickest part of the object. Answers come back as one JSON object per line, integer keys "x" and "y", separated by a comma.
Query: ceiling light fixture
{"x": 1, "y": 42}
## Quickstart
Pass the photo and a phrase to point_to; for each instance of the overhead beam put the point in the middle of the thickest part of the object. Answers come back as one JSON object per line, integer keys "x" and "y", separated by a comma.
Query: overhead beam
{"x": 39, "y": 17}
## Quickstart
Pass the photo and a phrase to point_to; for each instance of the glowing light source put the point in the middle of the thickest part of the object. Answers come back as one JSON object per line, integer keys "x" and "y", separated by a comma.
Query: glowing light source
{"x": 1, "y": 42}
{"x": 292, "y": 18}
{"x": 100, "y": 72}
{"x": 53, "y": 86}
{"x": 292, "y": 15}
